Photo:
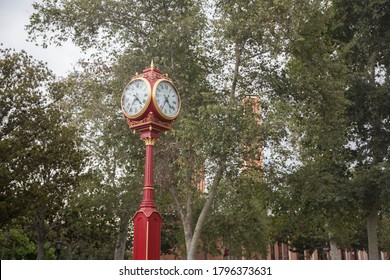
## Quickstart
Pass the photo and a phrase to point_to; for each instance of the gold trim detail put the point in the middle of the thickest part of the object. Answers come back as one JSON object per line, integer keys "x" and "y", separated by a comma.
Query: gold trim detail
{"x": 149, "y": 141}
{"x": 147, "y": 240}
{"x": 149, "y": 118}
{"x": 152, "y": 75}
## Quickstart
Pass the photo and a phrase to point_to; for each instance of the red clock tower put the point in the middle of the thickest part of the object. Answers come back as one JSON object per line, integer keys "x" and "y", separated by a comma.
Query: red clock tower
{"x": 150, "y": 103}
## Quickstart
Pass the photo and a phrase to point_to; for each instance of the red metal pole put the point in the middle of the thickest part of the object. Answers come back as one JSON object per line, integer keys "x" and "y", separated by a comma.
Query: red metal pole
{"x": 148, "y": 201}
{"x": 147, "y": 221}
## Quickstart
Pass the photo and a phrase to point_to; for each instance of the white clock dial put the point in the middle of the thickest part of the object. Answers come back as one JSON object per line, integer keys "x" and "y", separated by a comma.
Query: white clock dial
{"x": 167, "y": 99}
{"x": 136, "y": 98}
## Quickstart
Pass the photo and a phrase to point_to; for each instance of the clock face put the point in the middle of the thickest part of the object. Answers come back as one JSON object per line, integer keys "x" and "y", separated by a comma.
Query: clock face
{"x": 136, "y": 98}
{"x": 166, "y": 99}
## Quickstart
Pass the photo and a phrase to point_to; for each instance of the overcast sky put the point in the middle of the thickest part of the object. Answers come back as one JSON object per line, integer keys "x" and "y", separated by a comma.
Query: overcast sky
{"x": 14, "y": 15}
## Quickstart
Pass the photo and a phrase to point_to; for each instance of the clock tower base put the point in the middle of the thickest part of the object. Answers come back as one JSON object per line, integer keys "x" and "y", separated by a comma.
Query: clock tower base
{"x": 147, "y": 232}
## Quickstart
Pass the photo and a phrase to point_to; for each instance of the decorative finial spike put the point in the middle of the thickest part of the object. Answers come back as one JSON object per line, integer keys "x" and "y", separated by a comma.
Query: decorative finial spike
{"x": 152, "y": 64}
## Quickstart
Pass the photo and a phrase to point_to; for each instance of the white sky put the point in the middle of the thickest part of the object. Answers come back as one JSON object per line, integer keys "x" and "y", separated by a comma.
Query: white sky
{"x": 14, "y": 15}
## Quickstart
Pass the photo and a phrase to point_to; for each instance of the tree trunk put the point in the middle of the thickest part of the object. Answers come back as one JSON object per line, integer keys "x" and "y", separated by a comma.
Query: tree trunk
{"x": 333, "y": 246}
{"x": 237, "y": 50}
{"x": 120, "y": 247}
{"x": 334, "y": 250}
{"x": 192, "y": 237}
{"x": 372, "y": 224}
{"x": 187, "y": 226}
{"x": 185, "y": 214}
{"x": 191, "y": 253}
{"x": 41, "y": 236}
{"x": 70, "y": 252}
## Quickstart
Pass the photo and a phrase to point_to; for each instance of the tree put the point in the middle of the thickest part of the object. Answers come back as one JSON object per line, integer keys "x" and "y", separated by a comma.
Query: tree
{"x": 43, "y": 160}
{"x": 89, "y": 225}
{"x": 336, "y": 86}
{"x": 311, "y": 95}
{"x": 15, "y": 243}
{"x": 242, "y": 211}
{"x": 362, "y": 32}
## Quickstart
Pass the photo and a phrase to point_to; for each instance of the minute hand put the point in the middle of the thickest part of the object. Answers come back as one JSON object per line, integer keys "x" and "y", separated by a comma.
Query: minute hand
{"x": 169, "y": 104}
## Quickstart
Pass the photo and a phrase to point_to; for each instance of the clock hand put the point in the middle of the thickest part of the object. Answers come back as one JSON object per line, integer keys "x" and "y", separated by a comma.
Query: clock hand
{"x": 132, "y": 103}
{"x": 167, "y": 101}
{"x": 163, "y": 105}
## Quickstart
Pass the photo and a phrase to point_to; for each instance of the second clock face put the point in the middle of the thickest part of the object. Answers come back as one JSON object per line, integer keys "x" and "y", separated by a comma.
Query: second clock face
{"x": 166, "y": 99}
{"x": 136, "y": 98}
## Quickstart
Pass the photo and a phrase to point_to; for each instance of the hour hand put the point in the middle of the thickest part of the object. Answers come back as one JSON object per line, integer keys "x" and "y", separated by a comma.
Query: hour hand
{"x": 167, "y": 101}
{"x": 132, "y": 103}
{"x": 136, "y": 98}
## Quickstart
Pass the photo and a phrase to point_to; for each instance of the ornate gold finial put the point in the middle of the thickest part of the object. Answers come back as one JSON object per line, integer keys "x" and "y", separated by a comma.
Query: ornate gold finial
{"x": 152, "y": 64}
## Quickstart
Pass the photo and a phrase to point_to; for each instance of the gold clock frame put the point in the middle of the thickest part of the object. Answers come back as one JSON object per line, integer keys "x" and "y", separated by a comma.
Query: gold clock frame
{"x": 143, "y": 110}
{"x": 169, "y": 118}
